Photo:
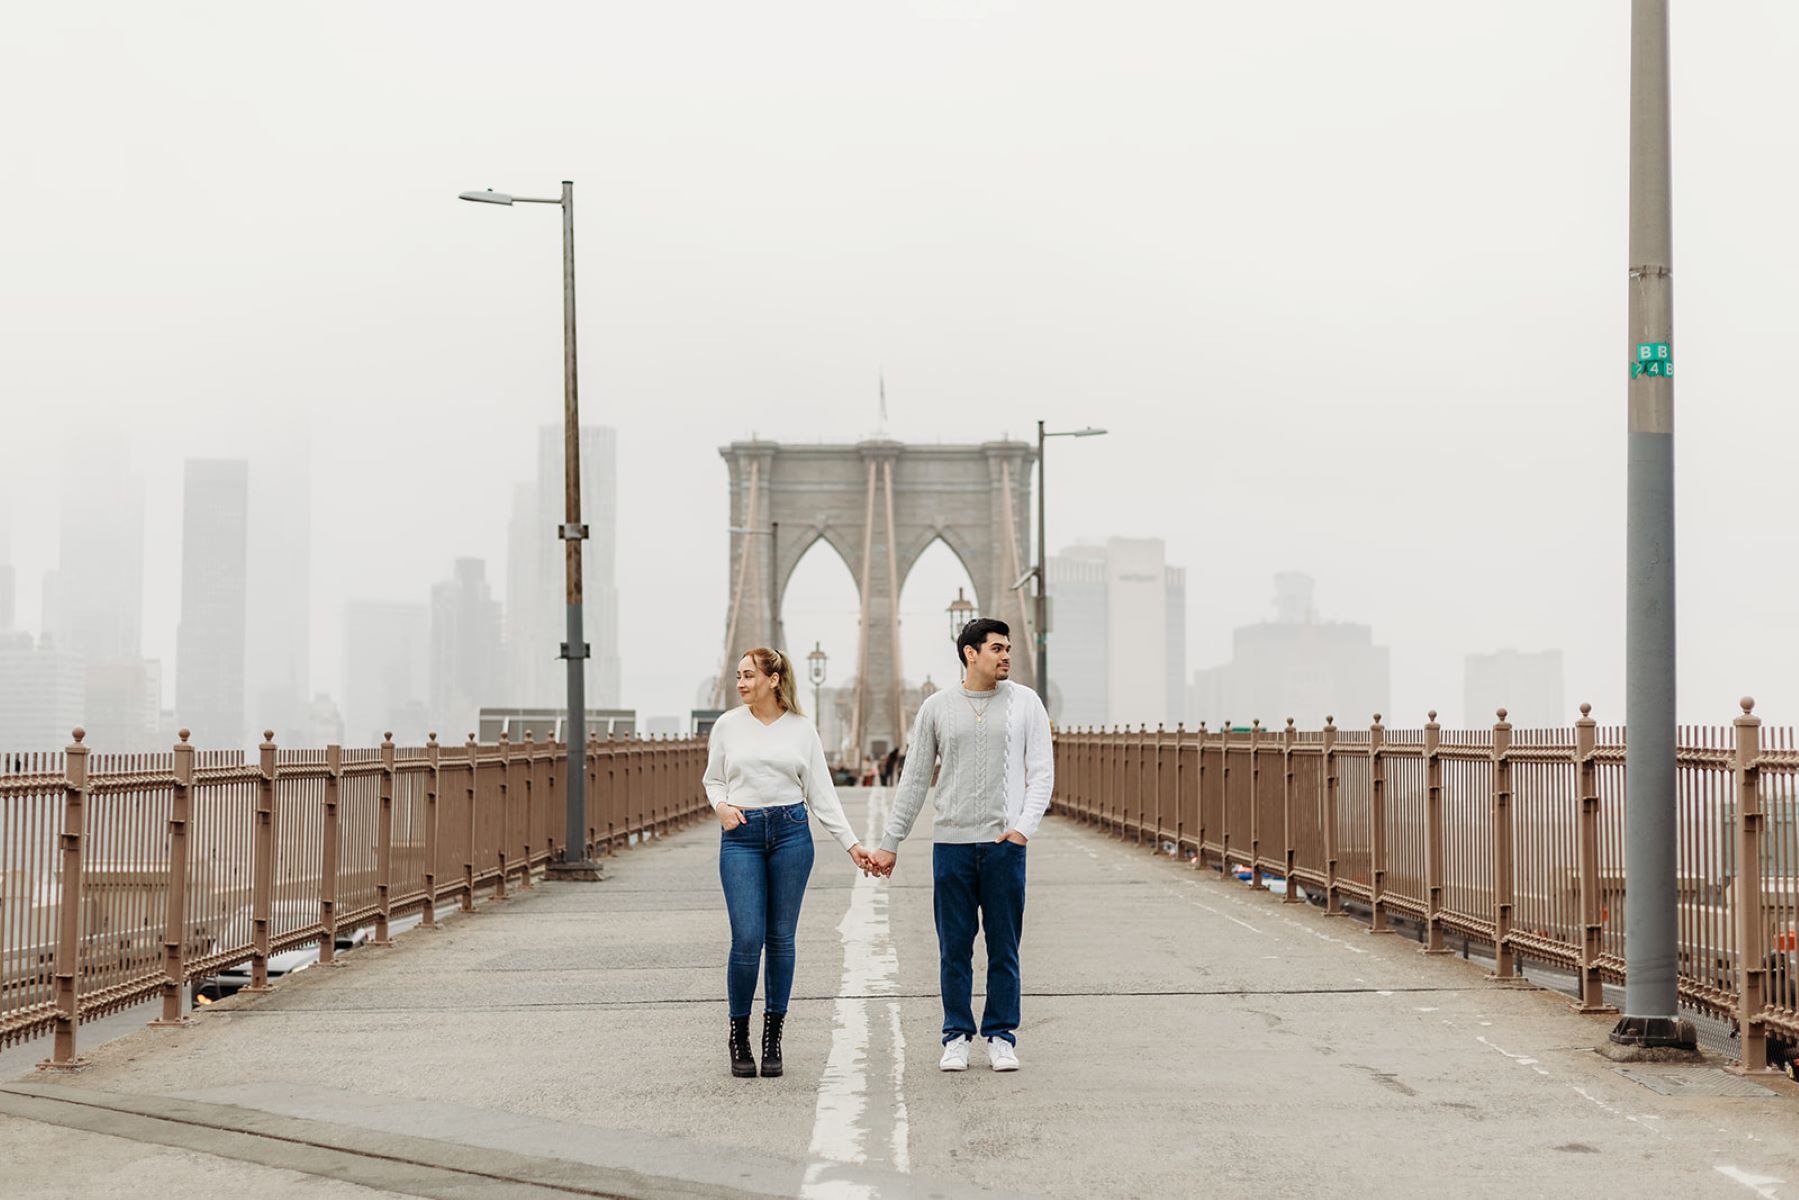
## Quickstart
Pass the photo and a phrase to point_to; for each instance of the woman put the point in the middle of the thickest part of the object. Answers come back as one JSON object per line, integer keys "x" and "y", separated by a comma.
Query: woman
{"x": 764, "y": 767}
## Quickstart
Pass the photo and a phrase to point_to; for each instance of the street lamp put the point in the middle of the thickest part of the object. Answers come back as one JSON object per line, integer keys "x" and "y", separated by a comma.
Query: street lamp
{"x": 1043, "y": 558}
{"x": 815, "y": 670}
{"x": 961, "y": 612}
{"x": 574, "y": 863}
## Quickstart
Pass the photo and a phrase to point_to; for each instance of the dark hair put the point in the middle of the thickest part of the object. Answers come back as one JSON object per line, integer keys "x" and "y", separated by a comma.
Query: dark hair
{"x": 974, "y": 635}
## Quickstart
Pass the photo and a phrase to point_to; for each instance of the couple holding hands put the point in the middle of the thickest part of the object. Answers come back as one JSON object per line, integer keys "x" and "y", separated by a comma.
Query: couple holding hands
{"x": 766, "y": 775}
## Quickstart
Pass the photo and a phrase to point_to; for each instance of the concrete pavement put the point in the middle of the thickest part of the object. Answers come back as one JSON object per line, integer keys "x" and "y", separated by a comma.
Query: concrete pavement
{"x": 1181, "y": 1035}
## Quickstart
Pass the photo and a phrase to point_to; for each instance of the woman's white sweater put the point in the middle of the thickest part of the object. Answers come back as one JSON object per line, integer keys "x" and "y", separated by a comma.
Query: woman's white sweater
{"x": 752, "y": 765}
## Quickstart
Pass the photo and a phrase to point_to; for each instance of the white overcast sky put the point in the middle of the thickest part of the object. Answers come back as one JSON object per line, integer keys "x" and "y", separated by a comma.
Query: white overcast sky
{"x": 1346, "y": 282}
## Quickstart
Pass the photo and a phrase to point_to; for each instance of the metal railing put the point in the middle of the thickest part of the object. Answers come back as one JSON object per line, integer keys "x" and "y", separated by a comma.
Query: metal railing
{"x": 1509, "y": 838}
{"x": 124, "y": 877}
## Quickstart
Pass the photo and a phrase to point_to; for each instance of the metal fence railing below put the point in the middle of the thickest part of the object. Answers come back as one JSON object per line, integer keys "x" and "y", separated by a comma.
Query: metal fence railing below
{"x": 1509, "y": 838}
{"x": 125, "y": 877}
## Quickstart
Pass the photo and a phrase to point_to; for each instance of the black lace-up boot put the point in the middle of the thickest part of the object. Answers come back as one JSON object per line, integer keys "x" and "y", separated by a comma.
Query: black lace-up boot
{"x": 743, "y": 1065}
{"x": 771, "y": 1042}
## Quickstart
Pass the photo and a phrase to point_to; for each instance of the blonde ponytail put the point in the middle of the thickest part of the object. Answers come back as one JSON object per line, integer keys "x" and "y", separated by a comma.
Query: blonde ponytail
{"x": 773, "y": 662}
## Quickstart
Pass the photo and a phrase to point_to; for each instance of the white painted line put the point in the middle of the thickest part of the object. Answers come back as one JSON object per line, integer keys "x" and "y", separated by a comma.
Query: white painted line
{"x": 870, "y": 968}
{"x": 902, "y": 1152}
{"x": 1761, "y": 1185}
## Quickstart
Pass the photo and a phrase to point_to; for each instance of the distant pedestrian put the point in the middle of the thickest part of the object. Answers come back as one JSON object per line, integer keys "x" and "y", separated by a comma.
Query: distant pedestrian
{"x": 765, "y": 768}
{"x": 889, "y": 766}
{"x": 998, "y": 770}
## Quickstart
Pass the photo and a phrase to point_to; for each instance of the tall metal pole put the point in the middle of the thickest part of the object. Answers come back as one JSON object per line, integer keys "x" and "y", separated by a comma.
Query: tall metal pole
{"x": 1042, "y": 580}
{"x": 574, "y": 651}
{"x": 1651, "y": 999}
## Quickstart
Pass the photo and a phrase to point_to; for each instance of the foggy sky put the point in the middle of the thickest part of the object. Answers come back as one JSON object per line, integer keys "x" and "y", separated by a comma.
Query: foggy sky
{"x": 1346, "y": 282}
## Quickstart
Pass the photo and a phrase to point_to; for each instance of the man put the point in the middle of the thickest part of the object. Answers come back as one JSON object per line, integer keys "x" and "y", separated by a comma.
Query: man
{"x": 998, "y": 770}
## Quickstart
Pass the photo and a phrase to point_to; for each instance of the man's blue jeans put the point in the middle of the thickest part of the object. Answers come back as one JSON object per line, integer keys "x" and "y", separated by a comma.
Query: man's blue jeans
{"x": 978, "y": 884}
{"x": 764, "y": 864}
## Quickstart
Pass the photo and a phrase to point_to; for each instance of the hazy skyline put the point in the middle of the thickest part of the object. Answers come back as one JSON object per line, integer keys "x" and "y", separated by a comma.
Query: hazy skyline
{"x": 1347, "y": 285}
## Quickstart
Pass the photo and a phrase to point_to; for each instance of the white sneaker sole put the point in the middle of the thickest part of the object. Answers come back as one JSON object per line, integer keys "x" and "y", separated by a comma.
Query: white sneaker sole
{"x": 952, "y": 1066}
{"x": 1011, "y": 1066}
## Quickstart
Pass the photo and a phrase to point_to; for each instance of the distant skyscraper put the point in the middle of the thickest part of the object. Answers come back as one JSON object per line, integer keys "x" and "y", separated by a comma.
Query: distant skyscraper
{"x": 278, "y": 654}
{"x": 385, "y": 676}
{"x": 325, "y": 723}
{"x": 1118, "y": 634}
{"x": 94, "y": 601}
{"x": 1295, "y": 666}
{"x": 94, "y": 598}
{"x": 1139, "y": 655}
{"x": 209, "y": 644}
{"x": 9, "y": 579}
{"x": 1077, "y": 636}
{"x": 536, "y": 575}
{"x": 1176, "y": 589}
{"x": 41, "y": 693}
{"x": 465, "y": 649}
{"x": 1527, "y": 686}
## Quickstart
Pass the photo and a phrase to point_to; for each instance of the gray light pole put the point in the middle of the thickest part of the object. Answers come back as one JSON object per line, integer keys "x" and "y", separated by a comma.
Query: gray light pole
{"x": 574, "y": 863}
{"x": 1651, "y": 996}
{"x": 1042, "y": 569}
{"x": 815, "y": 669}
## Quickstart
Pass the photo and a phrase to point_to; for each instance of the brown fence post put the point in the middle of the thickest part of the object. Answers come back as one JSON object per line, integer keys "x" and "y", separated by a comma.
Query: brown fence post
{"x": 589, "y": 761}
{"x": 527, "y": 806}
{"x": 1114, "y": 806}
{"x": 1180, "y": 821}
{"x": 1333, "y": 895}
{"x": 505, "y": 789}
{"x": 1199, "y": 807}
{"x": 67, "y": 968}
{"x": 1592, "y": 925}
{"x": 432, "y": 782}
{"x": 174, "y": 932}
{"x": 472, "y": 750}
{"x": 1224, "y": 801}
{"x": 334, "y": 768}
{"x": 1139, "y": 748}
{"x": 1255, "y": 803}
{"x": 384, "y": 844}
{"x": 1155, "y": 789}
{"x": 1377, "y": 828}
{"x": 1433, "y": 833}
{"x": 262, "y": 865}
{"x": 1289, "y": 852}
{"x": 1752, "y": 949}
{"x": 1504, "y": 961}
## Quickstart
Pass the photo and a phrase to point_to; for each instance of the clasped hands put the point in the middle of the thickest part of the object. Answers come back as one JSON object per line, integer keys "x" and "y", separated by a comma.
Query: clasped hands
{"x": 879, "y": 863}
{"x": 876, "y": 863}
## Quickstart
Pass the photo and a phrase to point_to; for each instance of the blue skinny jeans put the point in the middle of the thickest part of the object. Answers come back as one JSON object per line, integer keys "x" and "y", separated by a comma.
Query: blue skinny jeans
{"x": 764, "y": 864}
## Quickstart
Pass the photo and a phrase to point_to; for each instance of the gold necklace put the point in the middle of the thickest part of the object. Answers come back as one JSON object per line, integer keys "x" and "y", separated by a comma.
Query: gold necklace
{"x": 980, "y": 714}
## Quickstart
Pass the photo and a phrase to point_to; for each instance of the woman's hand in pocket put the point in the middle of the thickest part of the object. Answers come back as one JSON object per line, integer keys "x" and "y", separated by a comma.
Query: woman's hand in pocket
{"x": 730, "y": 816}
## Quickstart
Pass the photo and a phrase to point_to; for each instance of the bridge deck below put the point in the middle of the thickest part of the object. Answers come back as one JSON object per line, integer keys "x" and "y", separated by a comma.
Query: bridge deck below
{"x": 1182, "y": 1035}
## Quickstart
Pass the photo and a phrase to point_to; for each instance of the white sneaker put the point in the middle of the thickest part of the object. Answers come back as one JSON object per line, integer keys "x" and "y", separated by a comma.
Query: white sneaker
{"x": 1001, "y": 1055}
{"x": 955, "y": 1055}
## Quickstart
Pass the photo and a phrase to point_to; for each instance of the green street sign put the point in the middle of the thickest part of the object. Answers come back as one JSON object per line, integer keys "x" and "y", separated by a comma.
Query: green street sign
{"x": 1653, "y": 358}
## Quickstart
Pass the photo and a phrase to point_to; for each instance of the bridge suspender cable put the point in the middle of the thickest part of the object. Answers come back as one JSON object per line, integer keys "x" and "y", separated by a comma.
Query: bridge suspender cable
{"x": 743, "y": 569}
{"x": 899, "y": 686}
{"x": 868, "y": 536}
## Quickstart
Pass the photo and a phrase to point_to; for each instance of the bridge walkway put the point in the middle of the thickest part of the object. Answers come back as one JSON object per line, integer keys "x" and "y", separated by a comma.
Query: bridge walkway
{"x": 1182, "y": 1035}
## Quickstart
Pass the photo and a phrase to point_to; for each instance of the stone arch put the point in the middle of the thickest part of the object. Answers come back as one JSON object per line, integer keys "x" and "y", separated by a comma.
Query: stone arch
{"x": 879, "y": 504}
